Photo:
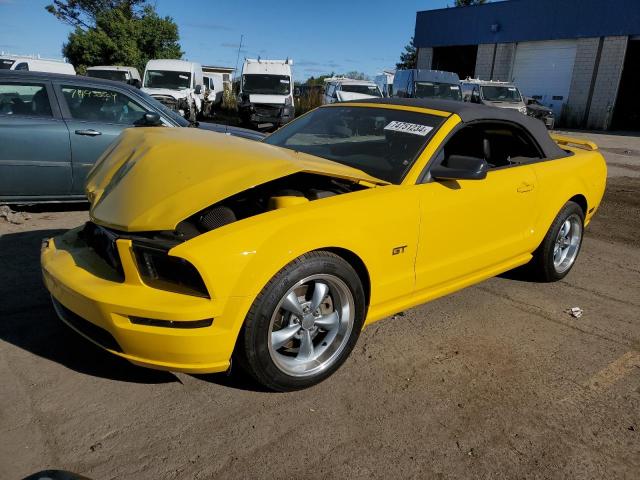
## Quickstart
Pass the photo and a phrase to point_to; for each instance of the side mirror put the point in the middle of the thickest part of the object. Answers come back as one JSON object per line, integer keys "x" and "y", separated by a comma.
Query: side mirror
{"x": 149, "y": 119}
{"x": 461, "y": 167}
{"x": 134, "y": 82}
{"x": 198, "y": 89}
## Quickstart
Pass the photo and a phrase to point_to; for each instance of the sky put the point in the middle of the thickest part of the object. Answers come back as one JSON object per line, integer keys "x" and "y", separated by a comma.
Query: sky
{"x": 320, "y": 37}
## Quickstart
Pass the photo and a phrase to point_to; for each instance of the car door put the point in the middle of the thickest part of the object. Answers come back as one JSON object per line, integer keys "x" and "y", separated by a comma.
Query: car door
{"x": 95, "y": 116}
{"x": 471, "y": 227}
{"x": 35, "y": 154}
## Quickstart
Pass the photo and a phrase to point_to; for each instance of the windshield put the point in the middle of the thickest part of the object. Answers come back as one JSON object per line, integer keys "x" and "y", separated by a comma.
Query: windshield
{"x": 118, "y": 75}
{"x": 494, "y": 93}
{"x": 6, "y": 64}
{"x": 167, "y": 79}
{"x": 166, "y": 111}
{"x": 381, "y": 142}
{"x": 372, "y": 90}
{"x": 266, "y": 84}
{"x": 444, "y": 91}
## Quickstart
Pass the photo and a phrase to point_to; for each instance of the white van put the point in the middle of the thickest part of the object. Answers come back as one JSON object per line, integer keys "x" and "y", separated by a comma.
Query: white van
{"x": 11, "y": 62}
{"x": 341, "y": 89}
{"x": 118, "y": 73}
{"x": 178, "y": 84}
{"x": 266, "y": 93}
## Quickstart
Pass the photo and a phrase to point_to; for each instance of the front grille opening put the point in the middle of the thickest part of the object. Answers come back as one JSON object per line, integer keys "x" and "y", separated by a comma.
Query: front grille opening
{"x": 90, "y": 330}
{"x": 153, "y": 322}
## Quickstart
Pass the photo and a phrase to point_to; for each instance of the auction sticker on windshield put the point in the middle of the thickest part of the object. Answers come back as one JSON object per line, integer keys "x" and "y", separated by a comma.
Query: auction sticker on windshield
{"x": 405, "y": 127}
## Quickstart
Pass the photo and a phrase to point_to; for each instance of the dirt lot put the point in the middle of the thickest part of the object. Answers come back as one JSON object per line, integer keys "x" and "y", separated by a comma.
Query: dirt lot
{"x": 496, "y": 381}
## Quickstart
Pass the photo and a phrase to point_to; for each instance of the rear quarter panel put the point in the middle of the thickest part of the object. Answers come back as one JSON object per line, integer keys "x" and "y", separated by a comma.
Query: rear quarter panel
{"x": 583, "y": 172}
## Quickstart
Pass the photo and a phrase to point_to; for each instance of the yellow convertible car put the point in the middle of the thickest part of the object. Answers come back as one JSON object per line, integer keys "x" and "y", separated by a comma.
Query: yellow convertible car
{"x": 203, "y": 247}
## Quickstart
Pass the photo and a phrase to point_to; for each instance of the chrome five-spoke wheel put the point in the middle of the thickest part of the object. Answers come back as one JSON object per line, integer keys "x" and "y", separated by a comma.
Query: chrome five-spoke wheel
{"x": 311, "y": 325}
{"x": 567, "y": 243}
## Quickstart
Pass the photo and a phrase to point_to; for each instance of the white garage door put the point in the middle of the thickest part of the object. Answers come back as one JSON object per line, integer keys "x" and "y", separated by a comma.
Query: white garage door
{"x": 543, "y": 70}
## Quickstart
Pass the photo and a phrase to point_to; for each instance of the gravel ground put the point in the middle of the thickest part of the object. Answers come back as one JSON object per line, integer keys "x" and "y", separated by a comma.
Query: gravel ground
{"x": 495, "y": 381}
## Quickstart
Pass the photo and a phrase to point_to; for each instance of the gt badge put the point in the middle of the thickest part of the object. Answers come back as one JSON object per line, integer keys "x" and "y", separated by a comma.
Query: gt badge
{"x": 398, "y": 250}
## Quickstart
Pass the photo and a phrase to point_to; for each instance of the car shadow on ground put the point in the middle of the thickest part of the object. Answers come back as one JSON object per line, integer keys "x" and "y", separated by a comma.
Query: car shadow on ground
{"x": 27, "y": 319}
{"x": 236, "y": 378}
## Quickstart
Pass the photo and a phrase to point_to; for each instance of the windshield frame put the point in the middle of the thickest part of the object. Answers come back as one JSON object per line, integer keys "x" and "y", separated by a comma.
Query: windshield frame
{"x": 147, "y": 76}
{"x": 436, "y": 121}
{"x": 283, "y": 80}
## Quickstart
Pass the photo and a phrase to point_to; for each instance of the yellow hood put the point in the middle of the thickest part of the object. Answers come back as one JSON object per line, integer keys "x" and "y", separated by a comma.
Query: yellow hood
{"x": 153, "y": 178}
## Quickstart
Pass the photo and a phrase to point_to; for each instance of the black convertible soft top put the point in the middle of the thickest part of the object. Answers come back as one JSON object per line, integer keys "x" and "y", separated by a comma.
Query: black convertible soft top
{"x": 470, "y": 112}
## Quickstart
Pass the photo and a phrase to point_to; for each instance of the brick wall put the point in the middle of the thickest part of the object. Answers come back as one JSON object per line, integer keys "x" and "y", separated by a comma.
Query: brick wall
{"x": 576, "y": 106}
{"x": 607, "y": 82}
{"x": 484, "y": 61}
{"x": 425, "y": 57}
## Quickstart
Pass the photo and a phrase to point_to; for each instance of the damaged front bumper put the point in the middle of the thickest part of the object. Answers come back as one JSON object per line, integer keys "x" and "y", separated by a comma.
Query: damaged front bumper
{"x": 147, "y": 326}
{"x": 265, "y": 116}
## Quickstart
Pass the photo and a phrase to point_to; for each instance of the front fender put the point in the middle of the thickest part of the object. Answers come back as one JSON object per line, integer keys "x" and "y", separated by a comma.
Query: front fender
{"x": 240, "y": 258}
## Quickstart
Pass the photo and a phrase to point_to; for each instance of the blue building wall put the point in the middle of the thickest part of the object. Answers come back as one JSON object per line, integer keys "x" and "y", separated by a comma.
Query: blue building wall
{"x": 527, "y": 20}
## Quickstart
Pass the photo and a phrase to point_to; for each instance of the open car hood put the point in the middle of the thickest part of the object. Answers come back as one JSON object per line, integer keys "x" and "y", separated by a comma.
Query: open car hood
{"x": 153, "y": 178}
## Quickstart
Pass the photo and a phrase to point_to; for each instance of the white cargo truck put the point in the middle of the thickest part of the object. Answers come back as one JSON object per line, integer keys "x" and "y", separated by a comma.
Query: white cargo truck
{"x": 265, "y": 100}
{"x": 178, "y": 84}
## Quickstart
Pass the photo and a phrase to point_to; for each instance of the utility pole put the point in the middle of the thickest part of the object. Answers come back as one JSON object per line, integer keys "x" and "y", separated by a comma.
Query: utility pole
{"x": 235, "y": 71}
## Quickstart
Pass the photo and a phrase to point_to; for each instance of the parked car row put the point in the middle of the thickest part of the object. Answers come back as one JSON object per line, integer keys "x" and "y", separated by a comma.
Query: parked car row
{"x": 180, "y": 85}
{"x": 53, "y": 128}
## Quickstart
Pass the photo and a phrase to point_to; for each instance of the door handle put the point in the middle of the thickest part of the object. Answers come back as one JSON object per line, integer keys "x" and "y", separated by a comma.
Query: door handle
{"x": 88, "y": 133}
{"x": 525, "y": 187}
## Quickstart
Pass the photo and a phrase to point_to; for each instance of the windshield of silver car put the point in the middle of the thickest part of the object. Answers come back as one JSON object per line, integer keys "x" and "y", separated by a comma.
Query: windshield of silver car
{"x": 167, "y": 79}
{"x": 494, "y": 93}
{"x": 382, "y": 142}
{"x": 364, "y": 89}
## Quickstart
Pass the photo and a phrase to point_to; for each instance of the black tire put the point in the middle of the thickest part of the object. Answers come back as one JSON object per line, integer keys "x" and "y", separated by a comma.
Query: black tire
{"x": 542, "y": 267}
{"x": 254, "y": 350}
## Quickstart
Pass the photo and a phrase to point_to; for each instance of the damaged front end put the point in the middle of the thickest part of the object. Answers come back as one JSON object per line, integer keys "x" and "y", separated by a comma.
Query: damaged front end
{"x": 154, "y": 179}
{"x": 265, "y": 115}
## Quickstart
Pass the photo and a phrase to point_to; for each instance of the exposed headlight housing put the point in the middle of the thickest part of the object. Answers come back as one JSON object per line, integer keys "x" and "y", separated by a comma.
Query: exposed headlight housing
{"x": 522, "y": 110}
{"x": 165, "y": 272}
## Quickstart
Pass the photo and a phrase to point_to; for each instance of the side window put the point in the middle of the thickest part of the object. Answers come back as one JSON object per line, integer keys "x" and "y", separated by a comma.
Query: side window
{"x": 499, "y": 144}
{"x": 22, "y": 66}
{"x": 24, "y": 99}
{"x": 98, "y": 105}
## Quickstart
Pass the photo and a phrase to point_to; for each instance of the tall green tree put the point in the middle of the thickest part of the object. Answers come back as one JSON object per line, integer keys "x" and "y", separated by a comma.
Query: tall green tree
{"x": 467, "y": 3}
{"x": 408, "y": 58}
{"x": 116, "y": 32}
